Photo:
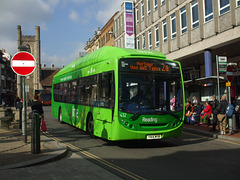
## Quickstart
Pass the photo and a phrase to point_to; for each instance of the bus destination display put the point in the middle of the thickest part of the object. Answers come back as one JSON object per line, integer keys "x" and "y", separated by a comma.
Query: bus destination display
{"x": 145, "y": 65}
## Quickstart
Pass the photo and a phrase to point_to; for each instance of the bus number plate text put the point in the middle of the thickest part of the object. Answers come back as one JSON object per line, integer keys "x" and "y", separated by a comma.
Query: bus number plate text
{"x": 156, "y": 136}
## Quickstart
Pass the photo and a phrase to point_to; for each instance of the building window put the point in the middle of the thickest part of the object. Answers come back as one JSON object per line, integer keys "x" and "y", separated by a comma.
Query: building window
{"x": 163, "y": 2}
{"x": 150, "y": 39}
{"x": 224, "y": 6}
{"x": 156, "y": 36}
{"x": 208, "y": 15}
{"x": 155, "y": 4}
{"x": 148, "y": 7}
{"x": 194, "y": 11}
{"x": 138, "y": 43}
{"x": 142, "y": 5}
{"x": 164, "y": 27}
{"x": 173, "y": 25}
{"x": 183, "y": 16}
{"x": 137, "y": 17}
{"x": 121, "y": 22}
{"x": 238, "y": 2}
{"x": 115, "y": 27}
{"x": 143, "y": 42}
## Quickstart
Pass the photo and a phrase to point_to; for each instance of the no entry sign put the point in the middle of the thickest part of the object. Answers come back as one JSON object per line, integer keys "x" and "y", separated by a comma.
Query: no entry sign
{"x": 229, "y": 74}
{"x": 23, "y": 63}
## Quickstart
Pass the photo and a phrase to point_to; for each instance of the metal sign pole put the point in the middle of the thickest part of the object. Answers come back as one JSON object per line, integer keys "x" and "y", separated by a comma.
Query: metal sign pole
{"x": 218, "y": 84}
{"x": 24, "y": 113}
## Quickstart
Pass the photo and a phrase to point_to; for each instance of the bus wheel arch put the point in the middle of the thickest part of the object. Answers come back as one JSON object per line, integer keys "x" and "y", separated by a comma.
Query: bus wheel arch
{"x": 90, "y": 125}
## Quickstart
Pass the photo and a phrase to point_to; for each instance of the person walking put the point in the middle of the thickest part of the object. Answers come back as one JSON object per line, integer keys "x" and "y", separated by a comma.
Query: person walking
{"x": 221, "y": 116}
{"x": 37, "y": 106}
{"x": 215, "y": 103}
{"x": 237, "y": 110}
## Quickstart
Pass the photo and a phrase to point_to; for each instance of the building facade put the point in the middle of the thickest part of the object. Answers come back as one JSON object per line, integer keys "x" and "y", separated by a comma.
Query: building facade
{"x": 94, "y": 43}
{"x": 8, "y": 80}
{"x": 30, "y": 44}
{"x": 192, "y": 32}
{"x": 124, "y": 26}
{"x": 107, "y": 33}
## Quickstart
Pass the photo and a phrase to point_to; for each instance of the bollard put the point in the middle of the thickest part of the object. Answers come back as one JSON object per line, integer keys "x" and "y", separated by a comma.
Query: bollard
{"x": 230, "y": 124}
{"x": 35, "y": 138}
{"x": 234, "y": 122}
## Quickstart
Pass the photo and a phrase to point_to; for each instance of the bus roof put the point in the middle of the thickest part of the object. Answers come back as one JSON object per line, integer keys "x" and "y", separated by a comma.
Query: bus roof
{"x": 108, "y": 53}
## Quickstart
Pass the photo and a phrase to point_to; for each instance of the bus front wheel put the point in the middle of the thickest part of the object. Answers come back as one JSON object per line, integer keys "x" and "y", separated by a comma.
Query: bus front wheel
{"x": 60, "y": 116}
{"x": 90, "y": 126}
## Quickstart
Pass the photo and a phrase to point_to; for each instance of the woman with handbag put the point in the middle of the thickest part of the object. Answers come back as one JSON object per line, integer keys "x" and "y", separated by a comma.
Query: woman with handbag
{"x": 37, "y": 108}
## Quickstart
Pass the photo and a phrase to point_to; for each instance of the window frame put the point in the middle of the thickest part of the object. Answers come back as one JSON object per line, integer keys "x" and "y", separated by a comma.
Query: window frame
{"x": 138, "y": 43}
{"x": 155, "y": 5}
{"x": 137, "y": 15}
{"x": 209, "y": 16}
{"x": 164, "y": 30}
{"x": 143, "y": 41}
{"x": 150, "y": 39}
{"x": 173, "y": 26}
{"x": 148, "y": 7}
{"x": 195, "y": 23}
{"x": 226, "y": 7}
{"x": 142, "y": 10}
{"x": 237, "y": 3}
{"x": 157, "y": 36}
{"x": 182, "y": 12}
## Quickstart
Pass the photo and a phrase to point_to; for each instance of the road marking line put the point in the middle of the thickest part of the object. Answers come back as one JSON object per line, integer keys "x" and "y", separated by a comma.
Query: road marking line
{"x": 100, "y": 160}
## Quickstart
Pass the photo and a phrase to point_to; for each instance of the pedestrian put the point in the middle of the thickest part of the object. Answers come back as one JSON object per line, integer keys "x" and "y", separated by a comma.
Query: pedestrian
{"x": 197, "y": 109}
{"x": 188, "y": 111}
{"x": 206, "y": 113}
{"x": 215, "y": 103}
{"x": 221, "y": 108}
{"x": 195, "y": 101}
{"x": 173, "y": 102}
{"x": 237, "y": 110}
{"x": 37, "y": 106}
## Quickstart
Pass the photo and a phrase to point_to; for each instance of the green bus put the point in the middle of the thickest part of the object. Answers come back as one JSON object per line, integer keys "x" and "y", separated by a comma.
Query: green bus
{"x": 121, "y": 94}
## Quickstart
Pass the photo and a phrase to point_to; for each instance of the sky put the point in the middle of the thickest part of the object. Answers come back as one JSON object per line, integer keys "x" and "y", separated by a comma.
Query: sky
{"x": 65, "y": 25}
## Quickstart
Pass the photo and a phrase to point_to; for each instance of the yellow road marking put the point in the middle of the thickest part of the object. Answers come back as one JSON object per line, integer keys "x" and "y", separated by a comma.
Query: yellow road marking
{"x": 102, "y": 161}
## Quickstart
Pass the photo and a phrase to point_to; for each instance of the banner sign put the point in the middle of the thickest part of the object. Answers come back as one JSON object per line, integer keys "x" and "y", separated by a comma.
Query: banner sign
{"x": 129, "y": 25}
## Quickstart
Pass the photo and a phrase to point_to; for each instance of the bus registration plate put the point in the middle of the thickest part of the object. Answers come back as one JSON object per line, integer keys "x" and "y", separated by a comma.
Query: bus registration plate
{"x": 156, "y": 136}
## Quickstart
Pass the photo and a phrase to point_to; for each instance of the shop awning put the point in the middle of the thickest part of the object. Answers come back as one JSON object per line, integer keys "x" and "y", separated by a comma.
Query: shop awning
{"x": 205, "y": 80}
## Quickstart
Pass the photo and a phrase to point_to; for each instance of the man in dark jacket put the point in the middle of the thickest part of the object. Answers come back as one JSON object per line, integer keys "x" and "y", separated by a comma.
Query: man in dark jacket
{"x": 237, "y": 109}
{"x": 221, "y": 116}
{"x": 214, "y": 104}
{"x": 37, "y": 106}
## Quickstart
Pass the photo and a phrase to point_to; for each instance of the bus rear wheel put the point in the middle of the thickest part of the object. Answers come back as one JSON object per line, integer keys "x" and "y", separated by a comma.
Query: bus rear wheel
{"x": 90, "y": 126}
{"x": 60, "y": 115}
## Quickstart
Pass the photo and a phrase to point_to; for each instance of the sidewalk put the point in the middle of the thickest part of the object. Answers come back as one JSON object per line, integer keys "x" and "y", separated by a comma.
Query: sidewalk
{"x": 14, "y": 152}
{"x": 205, "y": 130}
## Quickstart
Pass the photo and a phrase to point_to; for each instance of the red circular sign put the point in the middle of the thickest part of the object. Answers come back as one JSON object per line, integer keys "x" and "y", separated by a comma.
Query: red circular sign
{"x": 229, "y": 74}
{"x": 23, "y": 63}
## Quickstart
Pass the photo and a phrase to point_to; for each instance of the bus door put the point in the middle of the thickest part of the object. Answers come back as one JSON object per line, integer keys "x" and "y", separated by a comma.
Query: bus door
{"x": 72, "y": 98}
{"x": 105, "y": 97}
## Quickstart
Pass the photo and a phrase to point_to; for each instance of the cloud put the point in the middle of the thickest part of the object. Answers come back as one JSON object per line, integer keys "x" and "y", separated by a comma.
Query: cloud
{"x": 108, "y": 9}
{"x": 27, "y": 13}
{"x": 74, "y": 16}
{"x": 58, "y": 60}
